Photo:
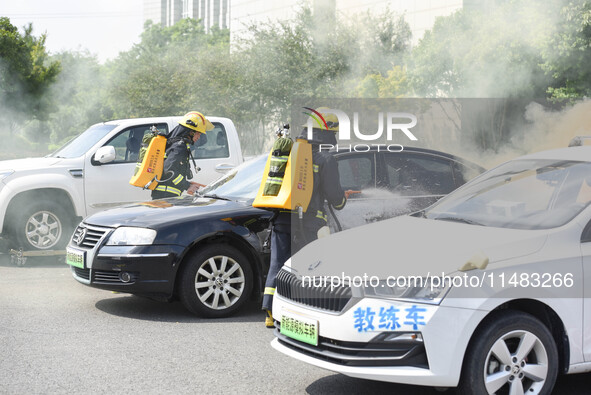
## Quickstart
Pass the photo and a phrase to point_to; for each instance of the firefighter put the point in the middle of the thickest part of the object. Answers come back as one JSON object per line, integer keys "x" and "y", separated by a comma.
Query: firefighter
{"x": 286, "y": 240}
{"x": 177, "y": 168}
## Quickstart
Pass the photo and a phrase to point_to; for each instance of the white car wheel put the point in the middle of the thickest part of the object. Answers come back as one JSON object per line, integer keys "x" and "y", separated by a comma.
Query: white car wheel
{"x": 42, "y": 225}
{"x": 518, "y": 361}
{"x": 43, "y": 229}
{"x": 511, "y": 353}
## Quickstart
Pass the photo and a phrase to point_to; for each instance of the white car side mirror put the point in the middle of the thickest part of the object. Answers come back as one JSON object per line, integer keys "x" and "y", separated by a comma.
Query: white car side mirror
{"x": 105, "y": 154}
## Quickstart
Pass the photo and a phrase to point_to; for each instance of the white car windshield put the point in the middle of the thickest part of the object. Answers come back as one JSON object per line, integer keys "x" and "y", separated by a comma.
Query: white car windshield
{"x": 81, "y": 144}
{"x": 521, "y": 194}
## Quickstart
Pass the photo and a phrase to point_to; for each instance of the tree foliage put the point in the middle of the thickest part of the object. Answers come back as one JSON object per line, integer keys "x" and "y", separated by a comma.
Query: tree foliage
{"x": 485, "y": 52}
{"x": 520, "y": 49}
{"x": 160, "y": 75}
{"x": 567, "y": 55}
{"x": 80, "y": 91}
{"x": 497, "y": 50}
{"x": 25, "y": 75}
{"x": 289, "y": 58}
{"x": 312, "y": 56}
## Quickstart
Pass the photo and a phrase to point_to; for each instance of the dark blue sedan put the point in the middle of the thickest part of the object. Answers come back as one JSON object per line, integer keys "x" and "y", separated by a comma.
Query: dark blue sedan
{"x": 212, "y": 251}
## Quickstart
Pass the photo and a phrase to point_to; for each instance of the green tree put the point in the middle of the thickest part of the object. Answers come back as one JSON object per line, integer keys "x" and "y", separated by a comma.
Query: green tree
{"x": 289, "y": 58}
{"x": 280, "y": 60}
{"x": 394, "y": 84}
{"x": 25, "y": 75}
{"x": 567, "y": 56}
{"x": 79, "y": 95}
{"x": 494, "y": 50}
{"x": 485, "y": 52}
{"x": 178, "y": 68}
{"x": 157, "y": 76}
{"x": 384, "y": 42}
{"x": 315, "y": 57}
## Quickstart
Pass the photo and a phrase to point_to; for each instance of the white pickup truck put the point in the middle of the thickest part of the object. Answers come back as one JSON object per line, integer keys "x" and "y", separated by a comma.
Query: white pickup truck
{"x": 42, "y": 199}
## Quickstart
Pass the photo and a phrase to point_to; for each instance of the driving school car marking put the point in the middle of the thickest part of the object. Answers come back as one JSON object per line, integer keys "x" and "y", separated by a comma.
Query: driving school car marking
{"x": 391, "y": 317}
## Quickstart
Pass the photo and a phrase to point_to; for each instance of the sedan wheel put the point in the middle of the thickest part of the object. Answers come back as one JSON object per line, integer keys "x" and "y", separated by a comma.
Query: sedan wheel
{"x": 219, "y": 282}
{"x": 215, "y": 281}
{"x": 514, "y": 354}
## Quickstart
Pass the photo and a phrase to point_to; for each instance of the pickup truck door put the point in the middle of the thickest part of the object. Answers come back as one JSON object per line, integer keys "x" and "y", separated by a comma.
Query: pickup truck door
{"x": 216, "y": 155}
{"x": 107, "y": 185}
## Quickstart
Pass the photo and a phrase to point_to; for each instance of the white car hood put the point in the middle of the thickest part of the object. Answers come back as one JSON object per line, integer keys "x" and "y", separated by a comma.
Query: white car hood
{"x": 407, "y": 245}
{"x": 28, "y": 163}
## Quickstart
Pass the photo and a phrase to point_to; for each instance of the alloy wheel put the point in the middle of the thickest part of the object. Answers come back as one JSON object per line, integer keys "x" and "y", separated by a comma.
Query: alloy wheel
{"x": 219, "y": 282}
{"x": 43, "y": 229}
{"x": 517, "y": 363}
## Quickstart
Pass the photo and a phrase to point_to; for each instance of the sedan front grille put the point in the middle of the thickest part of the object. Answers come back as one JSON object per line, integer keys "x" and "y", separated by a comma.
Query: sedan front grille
{"x": 325, "y": 298}
{"x": 87, "y": 236}
{"x": 372, "y": 353}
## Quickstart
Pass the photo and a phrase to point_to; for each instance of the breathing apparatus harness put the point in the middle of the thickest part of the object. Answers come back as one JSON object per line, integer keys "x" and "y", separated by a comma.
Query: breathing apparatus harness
{"x": 274, "y": 176}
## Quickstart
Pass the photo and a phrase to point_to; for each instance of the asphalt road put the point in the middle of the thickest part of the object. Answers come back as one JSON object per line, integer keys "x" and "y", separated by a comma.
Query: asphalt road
{"x": 60, "y": 337}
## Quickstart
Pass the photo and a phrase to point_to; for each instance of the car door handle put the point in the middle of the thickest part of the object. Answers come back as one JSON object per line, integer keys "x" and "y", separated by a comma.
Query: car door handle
{"x": 224, "y": 167}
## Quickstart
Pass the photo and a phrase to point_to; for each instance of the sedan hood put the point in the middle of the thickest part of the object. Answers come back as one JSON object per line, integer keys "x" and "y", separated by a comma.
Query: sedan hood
{"x": 157, "y": 214}
{"x": 406, "y": 246}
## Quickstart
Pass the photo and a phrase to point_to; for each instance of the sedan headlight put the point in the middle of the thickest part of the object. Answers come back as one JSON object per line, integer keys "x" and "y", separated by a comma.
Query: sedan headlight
{"x": 131, "y": 236}
{"x": 420, "y": 289}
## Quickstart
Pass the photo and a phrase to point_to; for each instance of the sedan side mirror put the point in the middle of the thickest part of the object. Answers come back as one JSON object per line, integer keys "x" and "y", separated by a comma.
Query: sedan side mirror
{"x": 104, "y": 155}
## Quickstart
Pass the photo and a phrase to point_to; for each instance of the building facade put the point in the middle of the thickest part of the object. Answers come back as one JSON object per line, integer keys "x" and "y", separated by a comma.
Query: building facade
{"x": 168, "y": 12}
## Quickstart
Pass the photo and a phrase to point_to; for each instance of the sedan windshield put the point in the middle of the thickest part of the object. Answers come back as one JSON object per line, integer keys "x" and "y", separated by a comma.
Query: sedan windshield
{"x": 521, "y": 194}
{"x": 241, "y": 183}
{"x": 81, "y": 144}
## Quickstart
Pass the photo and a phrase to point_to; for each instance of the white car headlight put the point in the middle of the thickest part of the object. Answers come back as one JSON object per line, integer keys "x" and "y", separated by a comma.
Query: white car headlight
{"x": 420, "y": 289}
{"x": 131, "y": 236}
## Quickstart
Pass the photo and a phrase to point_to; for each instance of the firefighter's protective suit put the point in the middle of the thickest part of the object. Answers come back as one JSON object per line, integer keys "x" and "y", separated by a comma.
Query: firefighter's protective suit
{"x": 288, "y": 235}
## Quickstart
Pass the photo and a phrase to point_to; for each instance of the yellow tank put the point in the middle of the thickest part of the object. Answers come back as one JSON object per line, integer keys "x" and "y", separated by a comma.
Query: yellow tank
{"x": 298, "y": 181}
{"x": 150, "y": 169}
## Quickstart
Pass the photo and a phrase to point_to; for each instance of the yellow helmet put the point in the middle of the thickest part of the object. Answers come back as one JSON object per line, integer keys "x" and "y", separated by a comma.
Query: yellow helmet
{"x": 196, "y": 121}
{"x": 325, "y": 120}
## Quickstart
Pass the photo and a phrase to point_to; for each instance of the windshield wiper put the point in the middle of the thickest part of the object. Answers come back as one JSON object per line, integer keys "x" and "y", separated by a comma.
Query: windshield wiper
{"x": 458, "y": 219}
{"x": 214, "y": 196}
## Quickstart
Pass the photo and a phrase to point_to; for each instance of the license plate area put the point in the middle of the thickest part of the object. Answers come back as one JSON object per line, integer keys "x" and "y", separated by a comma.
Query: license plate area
{"x": 76, "y": 258}
{"x": 299, "y": 328}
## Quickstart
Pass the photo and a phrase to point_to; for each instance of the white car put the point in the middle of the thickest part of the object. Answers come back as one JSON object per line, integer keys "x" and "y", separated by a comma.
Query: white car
{"x": 42, "y": 199}
{"x": 489, "y": 289}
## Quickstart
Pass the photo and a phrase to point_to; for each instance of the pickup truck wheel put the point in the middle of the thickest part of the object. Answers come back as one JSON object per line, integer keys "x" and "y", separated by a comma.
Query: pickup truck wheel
{"x": 42, "y": 226}
{"x": 215, "y": 281}
{"x": 514, "y": 354}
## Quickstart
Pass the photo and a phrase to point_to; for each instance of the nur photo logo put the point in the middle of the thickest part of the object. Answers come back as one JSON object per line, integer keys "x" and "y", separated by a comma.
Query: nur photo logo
{"x": 389, "y": 124}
